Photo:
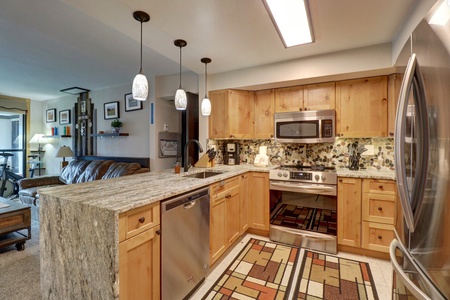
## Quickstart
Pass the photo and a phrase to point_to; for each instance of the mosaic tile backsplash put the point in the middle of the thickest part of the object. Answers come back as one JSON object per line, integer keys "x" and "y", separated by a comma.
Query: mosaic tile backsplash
{"x": 328, "y": 154}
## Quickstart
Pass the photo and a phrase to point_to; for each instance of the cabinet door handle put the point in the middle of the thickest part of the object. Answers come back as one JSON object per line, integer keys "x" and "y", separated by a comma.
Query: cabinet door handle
{"x": 340, "y": 180}
{"x": 158, "y": 232}
{"x": 380, "y": 237}
{"x": 142, "y": 220}
{"x": 380, "y": 187}
{"x": 380, "y": 208}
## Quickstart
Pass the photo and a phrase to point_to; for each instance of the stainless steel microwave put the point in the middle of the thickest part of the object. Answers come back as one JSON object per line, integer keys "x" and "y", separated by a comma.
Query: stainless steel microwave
{"x": 313, "y": 126}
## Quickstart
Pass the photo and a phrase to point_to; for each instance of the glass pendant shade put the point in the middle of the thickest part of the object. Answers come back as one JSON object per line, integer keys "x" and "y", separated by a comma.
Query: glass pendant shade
{"x": 180, "y": 99}
{"x": 206, "y": 107}
{"x": 140, "y": 87}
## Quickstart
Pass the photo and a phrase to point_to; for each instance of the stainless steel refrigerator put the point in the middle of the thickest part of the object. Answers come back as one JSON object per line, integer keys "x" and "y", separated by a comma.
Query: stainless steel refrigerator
{"x": 420, "y": 254}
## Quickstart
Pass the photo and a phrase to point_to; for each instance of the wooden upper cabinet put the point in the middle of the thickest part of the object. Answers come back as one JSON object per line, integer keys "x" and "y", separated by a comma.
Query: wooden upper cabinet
{"x": 319, "y": 96}
{"x": 308, "y": 97}
{"x": 264, "y": 110}
{"x": 394, "y": 84}
{"x": 240, "y": 114}
{"x": 232, "y": 114}
{"x": 289, "y": 99}
{"x": 219, "y": 116}
{"x": 361, "y": 107}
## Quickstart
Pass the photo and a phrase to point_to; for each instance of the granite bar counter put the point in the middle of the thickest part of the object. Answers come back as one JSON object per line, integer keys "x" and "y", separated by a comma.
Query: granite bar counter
{"x": 79, "y": 227}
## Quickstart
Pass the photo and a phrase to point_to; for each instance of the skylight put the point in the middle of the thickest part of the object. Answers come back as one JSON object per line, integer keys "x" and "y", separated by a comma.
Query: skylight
{"x": 291, "y": 18}
{"x": 441, "y": 15}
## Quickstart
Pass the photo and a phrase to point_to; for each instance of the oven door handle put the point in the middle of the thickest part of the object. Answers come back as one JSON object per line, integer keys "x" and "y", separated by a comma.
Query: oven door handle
{"x": 307, "y": 188}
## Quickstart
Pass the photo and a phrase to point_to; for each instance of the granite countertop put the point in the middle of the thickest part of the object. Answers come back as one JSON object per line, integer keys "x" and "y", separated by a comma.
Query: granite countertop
{"x": 383, "y": 173}
{"x": 129, "y": 192}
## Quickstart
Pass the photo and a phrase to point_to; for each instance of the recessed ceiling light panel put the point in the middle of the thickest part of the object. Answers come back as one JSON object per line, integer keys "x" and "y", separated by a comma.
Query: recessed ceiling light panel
{"x": 292, "y": 20}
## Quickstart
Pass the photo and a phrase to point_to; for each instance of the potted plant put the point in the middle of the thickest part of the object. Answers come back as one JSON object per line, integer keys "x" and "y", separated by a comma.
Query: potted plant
{"x": 116, "y": 125}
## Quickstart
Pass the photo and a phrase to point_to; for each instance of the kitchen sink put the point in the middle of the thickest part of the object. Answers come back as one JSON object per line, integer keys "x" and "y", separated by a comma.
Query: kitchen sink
{"x": 204, "y": 174}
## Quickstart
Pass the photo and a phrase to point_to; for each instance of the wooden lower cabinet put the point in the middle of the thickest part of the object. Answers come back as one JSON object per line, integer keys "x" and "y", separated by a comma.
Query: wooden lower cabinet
{"x": 366, "y": 213}
{"x": 237, "y": 204}
{"x": 139, "y": 254}
{"x": 349, "y": 212}
{"x": 259, "y": 201}
{"x": 217, "y": 224}
{"x": 224, "y": 216}
{"x": 244, "y": 203}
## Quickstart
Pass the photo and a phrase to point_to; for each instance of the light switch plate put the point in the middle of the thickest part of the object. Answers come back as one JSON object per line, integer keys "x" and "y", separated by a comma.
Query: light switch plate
{"x": 166, "y": 127}
{"x": 370, "y": 150}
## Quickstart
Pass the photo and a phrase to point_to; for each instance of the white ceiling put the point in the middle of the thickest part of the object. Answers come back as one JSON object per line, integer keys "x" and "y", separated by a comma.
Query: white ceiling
{"x": 49, "y": 45}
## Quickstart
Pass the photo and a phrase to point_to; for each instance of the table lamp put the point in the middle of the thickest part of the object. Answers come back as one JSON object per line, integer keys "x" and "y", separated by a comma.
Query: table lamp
{"x": 64, "y": 152}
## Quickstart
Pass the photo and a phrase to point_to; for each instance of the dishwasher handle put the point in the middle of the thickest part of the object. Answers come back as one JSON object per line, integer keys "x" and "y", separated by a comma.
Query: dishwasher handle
{"x": 190, "y": 205}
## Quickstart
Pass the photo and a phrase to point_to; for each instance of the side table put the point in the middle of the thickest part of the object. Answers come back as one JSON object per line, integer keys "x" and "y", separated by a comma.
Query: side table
{"x": 15, "y": 219}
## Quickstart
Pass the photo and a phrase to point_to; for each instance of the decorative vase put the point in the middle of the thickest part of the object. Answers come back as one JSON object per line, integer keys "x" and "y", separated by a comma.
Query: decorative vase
{"x": 115, "y": 129}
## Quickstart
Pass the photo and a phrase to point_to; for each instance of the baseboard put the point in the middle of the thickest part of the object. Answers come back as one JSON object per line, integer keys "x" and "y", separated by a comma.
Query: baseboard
{"x": 363, "y": 252}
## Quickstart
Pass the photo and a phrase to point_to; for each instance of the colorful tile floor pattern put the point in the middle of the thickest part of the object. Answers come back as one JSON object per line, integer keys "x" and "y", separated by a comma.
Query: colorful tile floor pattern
{"x": 330, "y": 277}
{"x": 263, "y": 270}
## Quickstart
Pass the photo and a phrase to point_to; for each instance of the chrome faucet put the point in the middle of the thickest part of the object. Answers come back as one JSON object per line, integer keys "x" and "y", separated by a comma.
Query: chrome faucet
{"x": 186, "y": 163}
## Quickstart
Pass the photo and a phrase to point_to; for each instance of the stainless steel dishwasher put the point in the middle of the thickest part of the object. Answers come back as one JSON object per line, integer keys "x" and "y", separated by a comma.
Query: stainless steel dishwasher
{"x": 185, "y": 243}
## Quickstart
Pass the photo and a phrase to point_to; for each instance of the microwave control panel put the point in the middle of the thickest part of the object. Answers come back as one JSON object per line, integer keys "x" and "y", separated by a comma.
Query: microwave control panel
{"x": 327, "y": 128}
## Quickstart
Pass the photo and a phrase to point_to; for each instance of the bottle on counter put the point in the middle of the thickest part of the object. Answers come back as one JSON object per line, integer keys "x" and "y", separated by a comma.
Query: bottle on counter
{"x": 177, "y": 167}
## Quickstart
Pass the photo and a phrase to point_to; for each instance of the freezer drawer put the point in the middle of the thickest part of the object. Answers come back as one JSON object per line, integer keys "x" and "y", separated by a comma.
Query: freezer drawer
{"x": 408, "y": 279}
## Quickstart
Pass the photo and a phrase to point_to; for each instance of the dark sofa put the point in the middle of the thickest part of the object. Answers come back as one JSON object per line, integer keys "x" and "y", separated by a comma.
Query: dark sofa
{"x": 76, "y": 172}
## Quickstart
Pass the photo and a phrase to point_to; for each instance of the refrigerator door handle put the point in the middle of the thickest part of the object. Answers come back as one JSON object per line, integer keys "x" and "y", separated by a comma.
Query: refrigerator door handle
{"x": 412, "y": 79}
{"x": 402, "y": 275}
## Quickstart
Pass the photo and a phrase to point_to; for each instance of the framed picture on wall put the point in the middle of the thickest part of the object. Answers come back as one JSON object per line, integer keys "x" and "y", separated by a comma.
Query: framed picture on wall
{"x": 131, "y": 103}
{"x": 111, "y": 110}
{"x": 50, "y": 115}
{"x": 64, "y": 117}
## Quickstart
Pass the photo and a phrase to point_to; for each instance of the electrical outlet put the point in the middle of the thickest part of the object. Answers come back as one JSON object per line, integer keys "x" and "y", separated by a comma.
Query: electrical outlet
{"x": 166, "y": 127}
{"x": 370, "y": 150}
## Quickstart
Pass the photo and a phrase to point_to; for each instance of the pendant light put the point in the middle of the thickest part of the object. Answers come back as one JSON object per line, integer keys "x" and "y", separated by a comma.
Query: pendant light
{"x": 206, "y": 104}
{"x": 180, "y": 96}
{"x": 140, "y": 83}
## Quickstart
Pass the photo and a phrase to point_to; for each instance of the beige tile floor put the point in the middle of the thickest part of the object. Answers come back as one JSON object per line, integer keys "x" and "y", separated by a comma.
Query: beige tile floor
{"x": 381, "y": 270}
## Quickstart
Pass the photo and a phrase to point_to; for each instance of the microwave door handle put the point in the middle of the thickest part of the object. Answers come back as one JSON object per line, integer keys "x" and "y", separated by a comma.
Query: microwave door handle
{"x": 399, "y": 144}
{"x": 423, "y": 142}
{"x": 320, "y": 130}
{"x": 420, "y": 295}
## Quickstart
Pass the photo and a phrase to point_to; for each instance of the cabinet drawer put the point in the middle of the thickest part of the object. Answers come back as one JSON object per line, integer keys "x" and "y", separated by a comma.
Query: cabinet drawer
{"x": 377, "y": 236}
{"x": 379, "y": 186}
{"x": 378, "y": 208}
{"x": 219, "y": 189}
{"x": 15, "y": 220}
{"x": 138, "y": 220}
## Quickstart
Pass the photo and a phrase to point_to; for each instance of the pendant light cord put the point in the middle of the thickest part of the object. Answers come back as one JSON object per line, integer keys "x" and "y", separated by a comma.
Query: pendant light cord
{"x": 206, "y": 78}
{"x": 180, "y": 67}
{"x": 140, "y": 71}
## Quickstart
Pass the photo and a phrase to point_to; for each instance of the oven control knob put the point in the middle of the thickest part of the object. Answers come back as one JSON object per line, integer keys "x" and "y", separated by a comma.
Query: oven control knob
{"x": 323, "y": 178}
{"x": 317, "y": 177}
{"x": 285, "y": 174}
{"x": 280, "y": 174}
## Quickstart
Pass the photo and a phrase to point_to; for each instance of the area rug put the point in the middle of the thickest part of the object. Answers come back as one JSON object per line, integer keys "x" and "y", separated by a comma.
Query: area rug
{"x": 330, "y": 277}
{"x": 262, "y": 270}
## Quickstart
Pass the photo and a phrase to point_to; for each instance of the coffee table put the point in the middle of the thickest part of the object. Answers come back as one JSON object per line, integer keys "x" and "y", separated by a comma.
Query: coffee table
{"x": 15, "y": 224}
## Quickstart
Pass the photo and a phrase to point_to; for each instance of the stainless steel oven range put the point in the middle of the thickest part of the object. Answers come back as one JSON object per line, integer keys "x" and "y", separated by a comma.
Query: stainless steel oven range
{"x": 303, "y": 207}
